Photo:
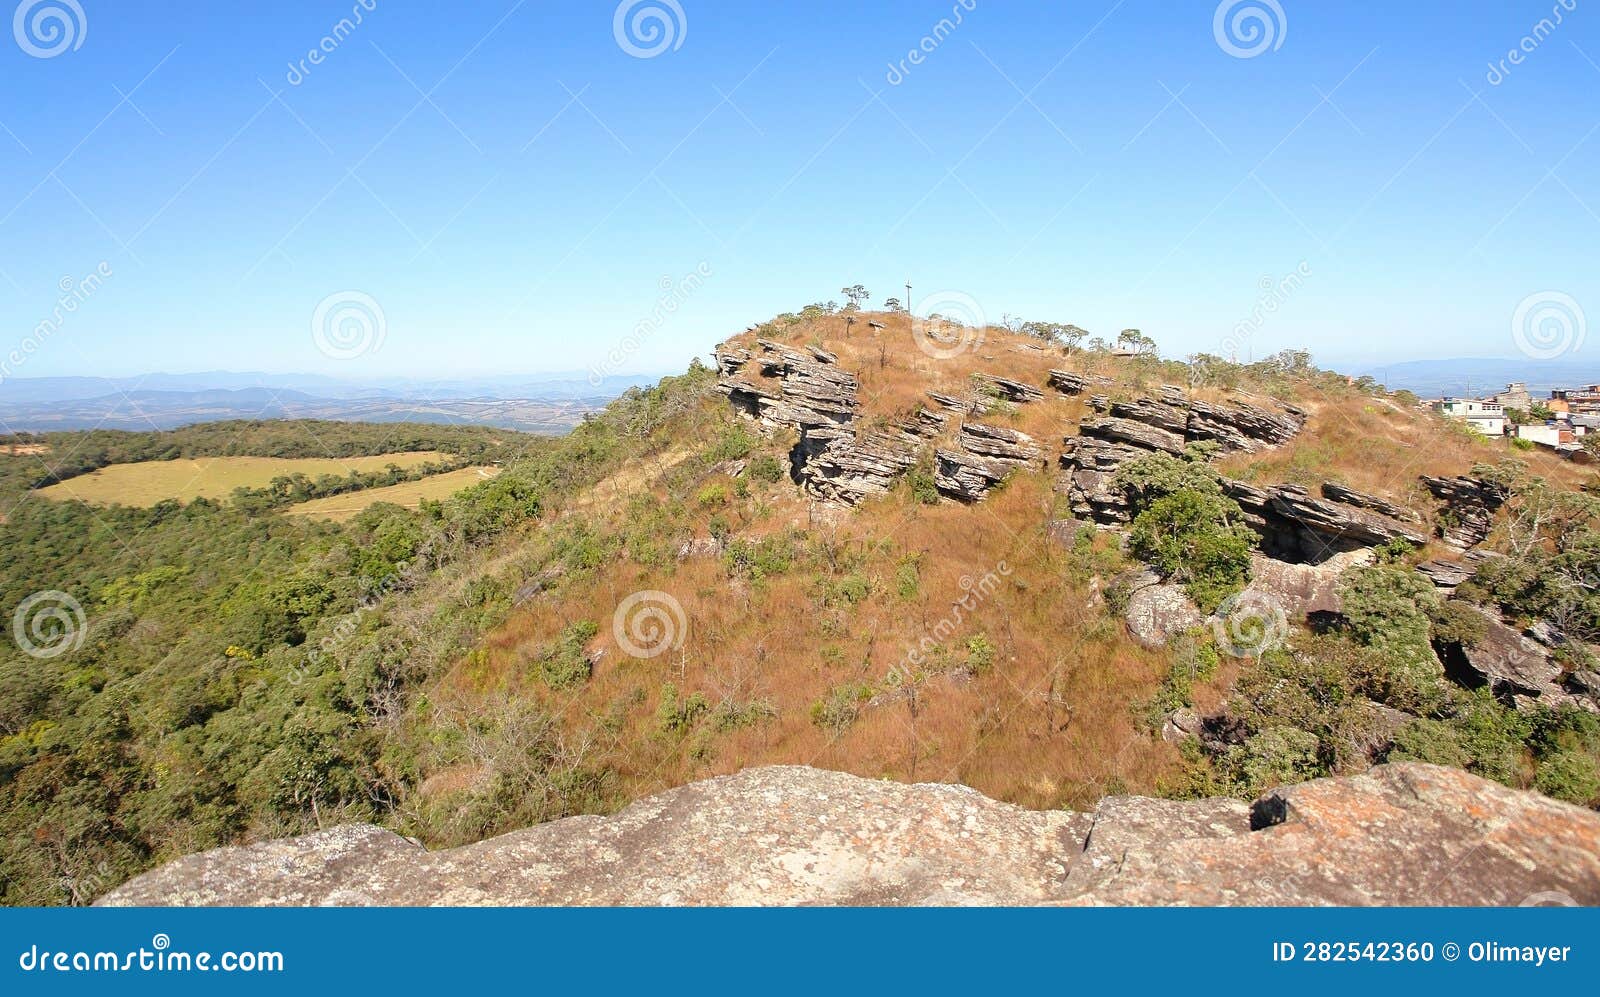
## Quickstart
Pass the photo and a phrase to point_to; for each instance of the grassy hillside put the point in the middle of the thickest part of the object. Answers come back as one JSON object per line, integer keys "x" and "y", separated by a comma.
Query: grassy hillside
{"x": 651, "y": 599}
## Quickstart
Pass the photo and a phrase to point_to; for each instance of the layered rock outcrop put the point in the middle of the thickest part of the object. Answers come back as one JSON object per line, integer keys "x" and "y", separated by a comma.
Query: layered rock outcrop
{"x": 1405, "y": 834}
{"x": 1469, "y": 508}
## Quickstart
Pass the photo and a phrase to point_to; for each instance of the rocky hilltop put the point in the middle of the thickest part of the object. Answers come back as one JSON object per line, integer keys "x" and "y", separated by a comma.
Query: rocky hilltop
{"x": 1404, "y": 834}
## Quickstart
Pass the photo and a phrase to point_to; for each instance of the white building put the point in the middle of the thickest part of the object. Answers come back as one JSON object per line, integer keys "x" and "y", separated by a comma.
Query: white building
{"x": 1485, "y": 415}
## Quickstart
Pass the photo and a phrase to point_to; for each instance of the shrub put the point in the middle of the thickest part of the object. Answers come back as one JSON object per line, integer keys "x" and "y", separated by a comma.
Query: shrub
{"x": 713, "y": 494}
{"x": 765, "y": 467}
{"x": 840, "y": 708}
{"x": 980, "y": 653}
{"x": 675, "y": 715}
{"x": 1569, "y": 775}
{"x": 565, "y": 662}
{"x": 1198, "y": 540}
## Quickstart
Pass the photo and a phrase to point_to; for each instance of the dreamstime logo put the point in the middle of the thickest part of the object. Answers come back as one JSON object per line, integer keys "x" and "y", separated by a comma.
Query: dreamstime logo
{"x": 646, "y": 28}
{"x": 1250, "y": 624}
{"x": 673, "y": 295}
{"x": 348, "y": 324}
{"x": 1549, "y": 898}
{"x": 74, "y": 292}
{"x": 49, "y": 624}
{"x": 1547, "y": 325}
{"x": 1246, "y": 28}
{"x": 974, "y": 593}
{"x": 946, "y": 324}
{"x": 46, "y": 28}
{"x": 929, "y": 42}
{"x": 649, "y": 623}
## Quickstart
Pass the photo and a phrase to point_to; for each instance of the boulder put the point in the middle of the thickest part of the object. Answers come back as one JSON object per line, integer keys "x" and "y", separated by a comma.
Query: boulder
{"x": 1445, "y": 574}
{"x": 1005, "y": 387}
{"x": 1402, "y": 834}
{"x": 1302, "y": 590}
{"x": 1157, "y": 613}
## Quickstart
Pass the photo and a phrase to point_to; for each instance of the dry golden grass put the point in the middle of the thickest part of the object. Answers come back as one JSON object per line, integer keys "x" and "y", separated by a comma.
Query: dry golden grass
{"x": 1050, "y": 722}
{"x": 407, "y": 494}
{"x": 148, "y": 482}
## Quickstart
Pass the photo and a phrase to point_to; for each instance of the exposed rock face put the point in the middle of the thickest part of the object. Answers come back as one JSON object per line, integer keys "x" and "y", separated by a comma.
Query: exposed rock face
{"x": 1164, "y": 424}
{"x": 1005, "y": 387}
{"x": 1072, "y": 383}
{"x": 1336, "y": 492}
{"x": 1470, "y": 505}
{"x": 1296, "y": 527}
{"x": 1302, "y": 590}
{"x": 987, "y": 454}
{"x": 1445, "y": 574}
{"x": 1401, "y": 834}
{"x": 1517, "y": 669}
{"x": 807, "y": 392}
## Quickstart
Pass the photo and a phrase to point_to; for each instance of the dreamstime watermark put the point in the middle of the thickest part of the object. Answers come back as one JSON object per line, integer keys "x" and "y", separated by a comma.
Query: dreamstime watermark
{"x": 372, "y": 591}
{"x": 160, "y": 957}
{"x": 929, "y": 42}
{"x": 1275, "y": 292}
{"x": 946, "y": 324}
{"x": 974, "y": 593}
{"x": 46, "y": 28}
{"x": 1250, "y": 624}
{"x": 673, "y": 295}
{"x": 1246, "y": 28}
{"x": 1547, "y": 325}
{"x": 646, "y": 28}
{"x": 349, "y": 324}
{"x": 1541, "y": 31}
{"x": 49, "y": 624}
{"x": 1549, "y": 898}
{"x": 649, "y": 623}
{"x": 329, "y": 43}
{"x": 74, "y": 292}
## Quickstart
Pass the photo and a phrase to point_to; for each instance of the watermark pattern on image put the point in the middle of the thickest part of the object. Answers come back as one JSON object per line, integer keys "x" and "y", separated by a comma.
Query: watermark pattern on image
{"x": 1250, "y": 624}
{"x": 47, "y": 28}
{"x": 649, "y": 623}
{"x": 74, "y": 292}
{"x": 349, "y": 324}
{"x": 946, "y": 324}
{"x": 673, "y": 294}
{"x": 1275, "y": 292}
{"x": 974, "y": 593}
{"x": 49, "y": 624}
{"x": 1529, "y": 43}
{"x": 928, "y": 43}
{"x": 646, "y": 28}
{"x": 1549, "y": 898}
{"x": 1247, "y": 28}
{"x": 1548, "y": 325}
{"x": 329, "y": 43}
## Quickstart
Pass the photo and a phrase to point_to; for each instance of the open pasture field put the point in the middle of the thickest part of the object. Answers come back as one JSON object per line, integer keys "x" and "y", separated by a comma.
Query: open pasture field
{"x": 408, "y": 494}
{"x": 148, "y": 482}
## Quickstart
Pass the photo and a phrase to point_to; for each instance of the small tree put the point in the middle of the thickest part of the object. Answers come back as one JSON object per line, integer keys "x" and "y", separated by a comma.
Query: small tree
{"x": 893, "y": 305}
{"x": 857, "y": 294}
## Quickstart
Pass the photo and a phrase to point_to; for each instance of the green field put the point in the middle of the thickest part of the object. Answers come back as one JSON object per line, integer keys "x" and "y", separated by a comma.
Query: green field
{"x": 408, "y": 494}
{"x": 149, "y": 482}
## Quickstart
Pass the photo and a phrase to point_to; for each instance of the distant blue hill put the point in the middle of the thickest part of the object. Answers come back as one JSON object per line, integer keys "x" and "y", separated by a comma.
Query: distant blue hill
{"x": 1473, "y": 376}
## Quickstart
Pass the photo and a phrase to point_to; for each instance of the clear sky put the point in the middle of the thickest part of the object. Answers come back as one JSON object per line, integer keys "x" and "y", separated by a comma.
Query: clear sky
{"x": 512, "y": 188}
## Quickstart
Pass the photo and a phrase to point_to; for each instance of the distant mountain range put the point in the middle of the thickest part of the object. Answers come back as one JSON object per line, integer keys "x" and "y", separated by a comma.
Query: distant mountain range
{"x": 549, "y": 404}
{"x": 1475, "y": 376}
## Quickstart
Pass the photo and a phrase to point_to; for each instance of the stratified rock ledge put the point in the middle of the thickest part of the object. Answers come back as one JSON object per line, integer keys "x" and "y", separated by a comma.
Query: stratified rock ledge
{"x": 1403, "y": 834}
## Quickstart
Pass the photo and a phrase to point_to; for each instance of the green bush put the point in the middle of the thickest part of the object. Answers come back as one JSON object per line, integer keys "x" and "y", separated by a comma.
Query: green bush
{"x": 1198, "y": 540}
{"x": 765, "y": 467}
{"x": 565, "y": 663}
{"x": 840, "y": 708}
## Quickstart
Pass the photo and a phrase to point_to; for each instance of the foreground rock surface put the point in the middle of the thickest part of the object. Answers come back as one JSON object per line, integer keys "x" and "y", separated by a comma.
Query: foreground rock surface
{"x": 1400, "y": 834}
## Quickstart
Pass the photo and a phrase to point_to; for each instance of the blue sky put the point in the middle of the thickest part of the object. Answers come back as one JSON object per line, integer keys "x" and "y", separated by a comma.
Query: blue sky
{"x": 512, "y": 189}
